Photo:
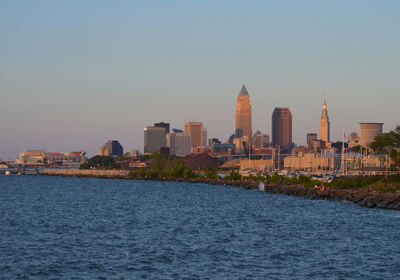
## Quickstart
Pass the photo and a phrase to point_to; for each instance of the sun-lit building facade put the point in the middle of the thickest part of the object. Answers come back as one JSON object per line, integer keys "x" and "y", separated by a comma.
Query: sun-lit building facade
{"x": 243, "y": 116}
{"x": 196, "y": 132}
{"x": 324, "y": 125}
{"x": 368, "y": 132}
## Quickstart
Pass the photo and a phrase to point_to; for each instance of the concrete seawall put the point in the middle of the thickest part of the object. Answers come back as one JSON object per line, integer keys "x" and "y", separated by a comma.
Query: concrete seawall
{"x": 362, "y": 196}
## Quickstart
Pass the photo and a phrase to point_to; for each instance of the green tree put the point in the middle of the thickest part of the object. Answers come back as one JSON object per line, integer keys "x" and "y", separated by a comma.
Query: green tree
{"x": 162, "y": 165}
{"x": 100, "y": 162}
{"x": 178, "y": 168}
{"x": 276, "y": 178}
{"x": 234, "y": 175}
{"x": 144, "y": 157}
{"x": 388, "y": 144}
{"x": 355, "y": 149}
{"x": 210, "y": 172}
{"x": 188, "y": 173}
{"x": 142, "y": 173}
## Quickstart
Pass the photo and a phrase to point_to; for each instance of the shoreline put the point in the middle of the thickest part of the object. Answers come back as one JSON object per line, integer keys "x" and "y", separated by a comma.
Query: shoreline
{"x": 362, "y": 197}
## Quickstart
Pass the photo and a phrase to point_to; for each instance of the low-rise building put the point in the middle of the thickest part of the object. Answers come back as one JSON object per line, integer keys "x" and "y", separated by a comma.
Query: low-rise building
{"x": 32, "y": 157}
{"x": 53, "y": 159}
{"x": 222, "y": 147}
{"x": 311, "y": 162}
{"x": 66, "y": 160}
{"x": 331, "y": 161}
{"x": 199, "y": 161}
{"x": 261, "y": 140}
{"x": 134, "y": 153}
{"x": 354, "y": 140}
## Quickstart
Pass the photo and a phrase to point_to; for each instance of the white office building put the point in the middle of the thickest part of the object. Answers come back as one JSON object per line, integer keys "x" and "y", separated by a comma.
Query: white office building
{"x": 179, "y": 143}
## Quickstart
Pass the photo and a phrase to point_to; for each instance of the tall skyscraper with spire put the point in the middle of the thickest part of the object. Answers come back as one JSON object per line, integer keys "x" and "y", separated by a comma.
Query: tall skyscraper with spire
{"x": 324, "y": 125}
{"x": 243, "y": 115}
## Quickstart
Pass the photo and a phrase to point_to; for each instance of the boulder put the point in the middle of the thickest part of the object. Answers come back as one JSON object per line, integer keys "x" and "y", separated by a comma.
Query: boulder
{"x": 396, "y": 206}
{"x": 383, "y": 204}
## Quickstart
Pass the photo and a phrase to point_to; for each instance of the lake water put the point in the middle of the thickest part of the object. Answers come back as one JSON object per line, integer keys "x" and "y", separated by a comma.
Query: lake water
{"x": 82, "y": 228}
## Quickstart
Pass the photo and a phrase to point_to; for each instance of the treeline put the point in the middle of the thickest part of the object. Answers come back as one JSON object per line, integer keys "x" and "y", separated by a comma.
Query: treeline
{"x": 379, "y": 183}
{"x": 163, "y": 166}
{"x": 275, "y": 179}
{"x": 100, "y": 162}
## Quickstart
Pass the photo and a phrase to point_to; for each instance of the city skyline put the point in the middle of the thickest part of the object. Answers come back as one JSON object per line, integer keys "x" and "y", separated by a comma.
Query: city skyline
{"x": 223, "y": 139}
{"x": 71, "y": 82}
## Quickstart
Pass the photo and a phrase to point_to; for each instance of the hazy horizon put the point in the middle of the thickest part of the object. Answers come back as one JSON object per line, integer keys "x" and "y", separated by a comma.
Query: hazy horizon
{"x": 75, "y": 74}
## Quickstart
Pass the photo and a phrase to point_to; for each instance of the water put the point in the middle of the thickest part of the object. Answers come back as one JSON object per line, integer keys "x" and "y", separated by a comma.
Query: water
{"x": 81, "y": 228}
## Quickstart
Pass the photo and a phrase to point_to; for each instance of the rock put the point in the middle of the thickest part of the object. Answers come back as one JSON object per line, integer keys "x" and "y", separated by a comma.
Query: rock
{"x": 383, "y": 204}
{"x": 341, "y": 197}
{"x": 396, "y": 206}
{"x": 362, "y": 202}
{"x": 370, "y": 202}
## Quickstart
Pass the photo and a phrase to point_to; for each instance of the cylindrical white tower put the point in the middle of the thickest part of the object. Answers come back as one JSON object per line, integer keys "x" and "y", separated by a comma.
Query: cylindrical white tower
{"x": 368, "y": 132}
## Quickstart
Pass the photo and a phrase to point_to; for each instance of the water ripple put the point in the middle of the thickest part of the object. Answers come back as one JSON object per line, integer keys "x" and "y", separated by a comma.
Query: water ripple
{"x": 80, "y": 228}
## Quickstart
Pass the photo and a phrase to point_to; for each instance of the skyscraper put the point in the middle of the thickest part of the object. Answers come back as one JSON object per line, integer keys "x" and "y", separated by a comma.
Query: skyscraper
{"x": 154, "y": 139}
{"x": 111, "y": 148}
{"x": 178, "y": 143}
{"x": 243, "y": 115}
{"x": 282, "y": 128}
{"x": 163, "y": 124}
{"x": 261, "y": 140}
{"x": 324, "y": 125}
{"x": 195, "y": 129}
{"x": 205, "y": 137}
{"x": 311, "y": 137}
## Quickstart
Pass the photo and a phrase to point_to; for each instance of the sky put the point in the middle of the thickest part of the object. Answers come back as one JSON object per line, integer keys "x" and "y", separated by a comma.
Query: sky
{"x": 74, "y": 74}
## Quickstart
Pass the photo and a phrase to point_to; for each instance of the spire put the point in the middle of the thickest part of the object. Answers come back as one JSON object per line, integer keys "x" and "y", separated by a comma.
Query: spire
{"x": 243, "y": 91}
{"x": 324, "y": 125}
{"x": 324, "y": 110}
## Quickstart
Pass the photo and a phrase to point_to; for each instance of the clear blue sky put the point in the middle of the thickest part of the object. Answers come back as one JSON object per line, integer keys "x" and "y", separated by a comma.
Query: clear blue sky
{"x": 74, "y": 74}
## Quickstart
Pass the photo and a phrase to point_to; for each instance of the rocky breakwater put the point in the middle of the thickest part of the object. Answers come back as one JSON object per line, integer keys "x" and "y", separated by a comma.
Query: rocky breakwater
{"x": 122, "y": 174}
{"x": 361, "y": 196}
